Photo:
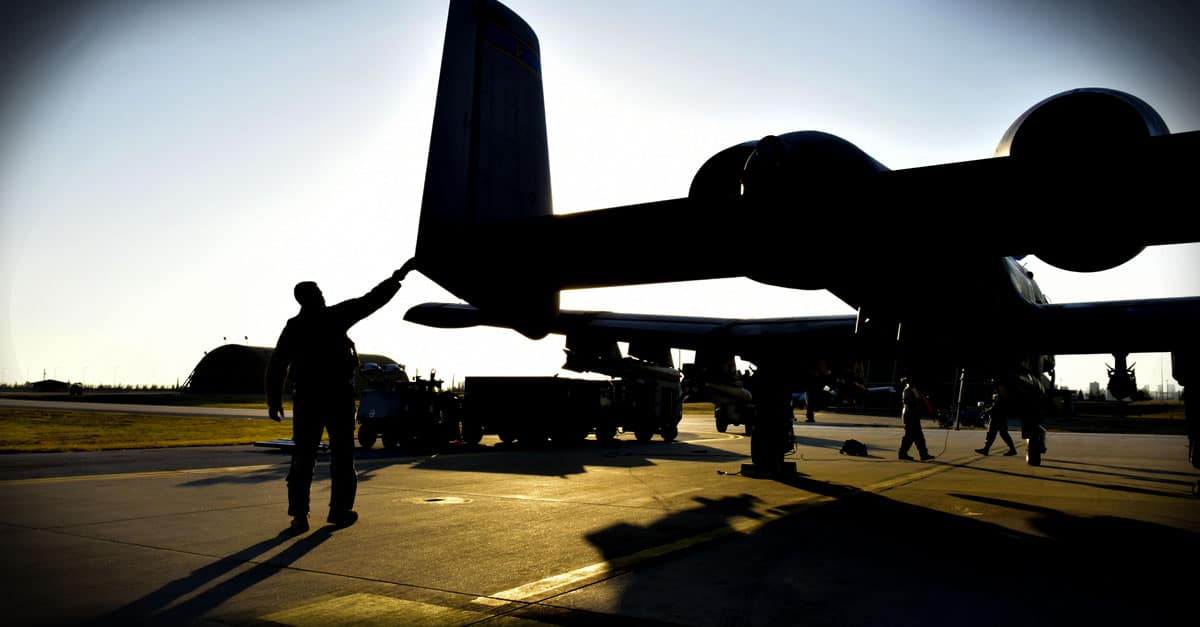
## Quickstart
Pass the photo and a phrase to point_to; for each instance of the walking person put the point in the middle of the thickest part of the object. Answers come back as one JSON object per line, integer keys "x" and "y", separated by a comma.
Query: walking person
{"x": 315, "y": 350}
{"x": 915, "y": 405}
{"x": 998, "y": 422}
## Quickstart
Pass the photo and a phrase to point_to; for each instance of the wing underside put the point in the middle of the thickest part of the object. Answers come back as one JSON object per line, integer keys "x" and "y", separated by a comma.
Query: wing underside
{"x": 1076, "y": 328}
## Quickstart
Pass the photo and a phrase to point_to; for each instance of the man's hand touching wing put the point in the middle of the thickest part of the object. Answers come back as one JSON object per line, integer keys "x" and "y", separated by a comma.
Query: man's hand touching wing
{"x": 408, "y": 266}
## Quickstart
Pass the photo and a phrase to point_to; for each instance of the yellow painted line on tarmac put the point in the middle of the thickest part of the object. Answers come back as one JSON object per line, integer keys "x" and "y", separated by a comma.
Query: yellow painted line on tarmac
{"x": 738, "y": 526}
{"x": 136, "y": 475}
{"x": 372, "y": 609}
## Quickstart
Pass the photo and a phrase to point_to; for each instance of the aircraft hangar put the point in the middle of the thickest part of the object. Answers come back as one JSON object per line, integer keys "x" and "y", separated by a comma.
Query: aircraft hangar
{"x": 240, "y": 369}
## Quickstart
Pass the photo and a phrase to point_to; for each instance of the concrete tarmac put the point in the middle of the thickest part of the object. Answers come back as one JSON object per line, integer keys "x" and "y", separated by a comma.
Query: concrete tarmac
{"x": 1103, "y": 532}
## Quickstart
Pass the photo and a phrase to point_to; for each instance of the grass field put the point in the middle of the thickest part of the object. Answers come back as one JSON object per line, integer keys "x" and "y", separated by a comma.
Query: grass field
{"x": 235, "y": 401}
{"x": 49, "y": 430}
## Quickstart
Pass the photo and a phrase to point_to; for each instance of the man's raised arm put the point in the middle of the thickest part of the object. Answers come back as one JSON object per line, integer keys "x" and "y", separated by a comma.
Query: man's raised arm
{"x": 355, "y": 309}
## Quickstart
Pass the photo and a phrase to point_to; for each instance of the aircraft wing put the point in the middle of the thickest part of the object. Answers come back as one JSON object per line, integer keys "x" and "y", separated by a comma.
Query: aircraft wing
{"x": 1157, "y": 325}
{"x": 1128, "y": 326}
{"x": 745, "y": 337}
{"x": 489, "y": 233}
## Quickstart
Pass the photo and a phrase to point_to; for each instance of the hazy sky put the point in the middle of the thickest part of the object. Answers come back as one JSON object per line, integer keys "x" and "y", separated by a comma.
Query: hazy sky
{"x": 169, "y": 170}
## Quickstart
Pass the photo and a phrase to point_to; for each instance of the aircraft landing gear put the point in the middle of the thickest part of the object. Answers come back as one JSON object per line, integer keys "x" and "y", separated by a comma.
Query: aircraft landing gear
{"x": 772, "y": 436}
{"x": 1035, "y": 445}
{"x": 1184, "y": 368}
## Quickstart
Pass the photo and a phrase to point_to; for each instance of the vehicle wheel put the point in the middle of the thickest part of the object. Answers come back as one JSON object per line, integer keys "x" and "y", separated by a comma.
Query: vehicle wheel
{"x": 507, "y": 437}
{"x": 605, "y": 434}
{"x": 390, "y": 441}
{"x": 568, "y": 437}
{"x": 644, "y": 435}
{"x": 670, "y": 432}
{"x": 366, "y": 436}
{"x": 472, "y": 432}
{"x": 424, "y": 443}
{"x": 722, "y": 426}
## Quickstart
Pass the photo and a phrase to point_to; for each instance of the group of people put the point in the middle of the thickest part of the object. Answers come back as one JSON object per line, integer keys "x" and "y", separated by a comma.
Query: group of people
{"x": 916, "y": 405}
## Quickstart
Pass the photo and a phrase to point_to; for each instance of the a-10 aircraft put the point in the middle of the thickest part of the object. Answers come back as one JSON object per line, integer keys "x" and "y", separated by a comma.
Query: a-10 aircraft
{"x": 488, "y": 234}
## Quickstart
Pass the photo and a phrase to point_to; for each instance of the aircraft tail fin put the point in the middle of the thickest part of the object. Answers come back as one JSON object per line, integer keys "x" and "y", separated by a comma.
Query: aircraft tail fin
{"x": 488, "y": 168}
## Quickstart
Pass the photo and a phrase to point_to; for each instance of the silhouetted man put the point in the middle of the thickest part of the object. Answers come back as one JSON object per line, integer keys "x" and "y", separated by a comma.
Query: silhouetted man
{"x": 322, "y": 362}
{"x": 914, "y": 407}
{"x": 1002, "y": 407}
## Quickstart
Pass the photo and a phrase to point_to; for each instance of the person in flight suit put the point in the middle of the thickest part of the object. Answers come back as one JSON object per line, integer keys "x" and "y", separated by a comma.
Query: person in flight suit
{"x": 1001, "y": 410}
{"x": 322, "y": 361}
{"x": 914, "y": 406}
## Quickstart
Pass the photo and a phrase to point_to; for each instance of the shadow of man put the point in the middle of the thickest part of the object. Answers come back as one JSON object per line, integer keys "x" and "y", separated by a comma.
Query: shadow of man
{"x": 162, "y": 607}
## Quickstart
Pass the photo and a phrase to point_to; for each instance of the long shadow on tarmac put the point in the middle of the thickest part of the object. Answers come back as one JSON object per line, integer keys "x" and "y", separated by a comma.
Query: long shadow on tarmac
{"x": 260, "y": 475}
{"x": 1185, "y": 493}
{"x": 818, "y": 442}
{"x": 561, "y": 462}
{"x": 865, "y": 559}
{"x": 546, "y": 460}
{"x": 160, "y": 607}
{"x": 1142, "y": 471}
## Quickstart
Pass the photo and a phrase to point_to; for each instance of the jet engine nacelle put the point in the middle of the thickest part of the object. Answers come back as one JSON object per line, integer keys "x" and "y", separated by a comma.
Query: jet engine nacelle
{"x": 1080, "y": 126}
{"x": 779, "y": 163}
{"x": 771, "y": 175}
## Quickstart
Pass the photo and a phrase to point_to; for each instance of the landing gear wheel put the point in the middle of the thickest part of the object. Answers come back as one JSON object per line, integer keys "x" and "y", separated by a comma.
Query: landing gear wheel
{"x": 1035, "y": 447}
{"x": 769, "y": 443}
{"x": 390, "y": 441}
{"x": 644, "y": 435}
{"x": 670, "y": 432}
{"x": 605, "y": 434}
{"x": 472, "y": 432}
{"x": 1035, "y": 443}
{"x": 366, "y": 437}
{"x": 765, "y": 455}
{"x": 1033, "y": 454}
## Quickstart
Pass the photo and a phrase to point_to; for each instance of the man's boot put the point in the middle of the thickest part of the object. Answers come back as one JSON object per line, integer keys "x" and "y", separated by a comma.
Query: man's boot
{"x": 299, "y": 524}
